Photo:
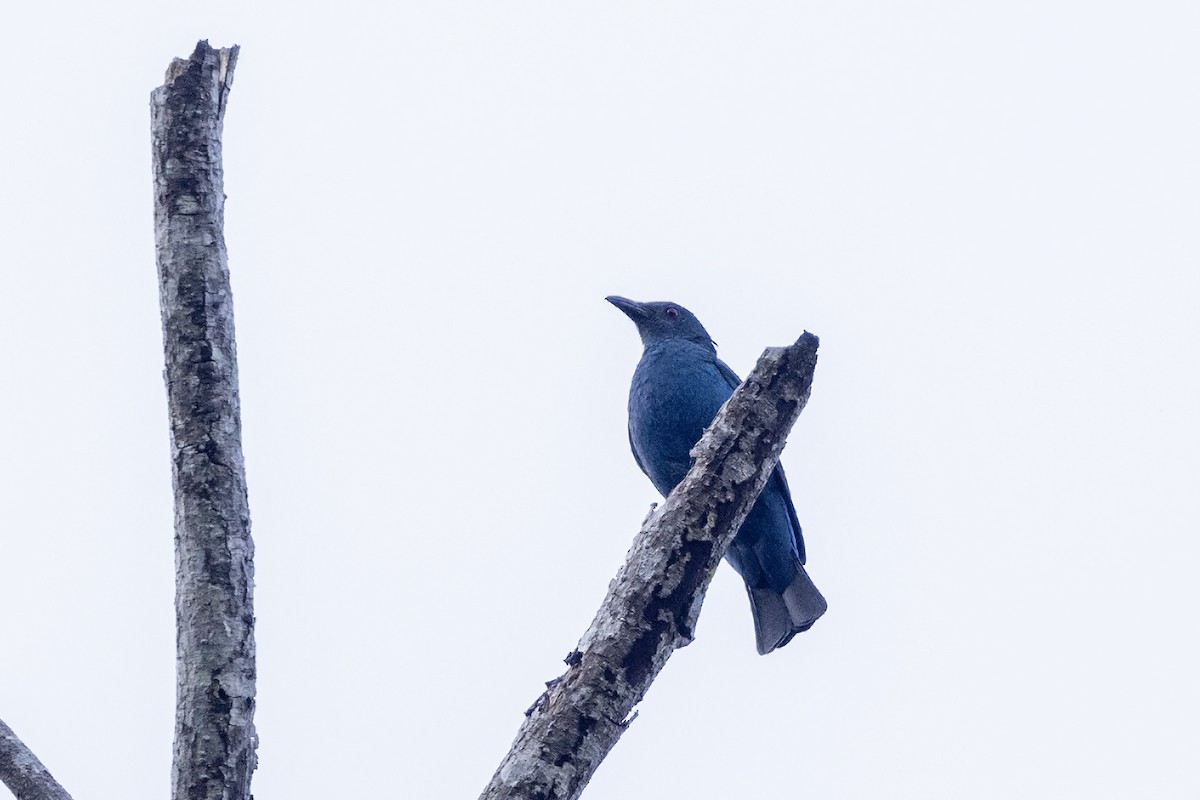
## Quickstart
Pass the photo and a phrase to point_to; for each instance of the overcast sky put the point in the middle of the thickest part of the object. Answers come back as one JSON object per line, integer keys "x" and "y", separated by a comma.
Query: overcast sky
{"x": 987, "y": 211}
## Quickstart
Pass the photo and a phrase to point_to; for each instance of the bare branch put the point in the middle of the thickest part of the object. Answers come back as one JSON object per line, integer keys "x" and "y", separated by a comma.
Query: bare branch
{"x": 653, "y": 603}
{"x": 215, "y": 741}
{"x": 22, "y": 773}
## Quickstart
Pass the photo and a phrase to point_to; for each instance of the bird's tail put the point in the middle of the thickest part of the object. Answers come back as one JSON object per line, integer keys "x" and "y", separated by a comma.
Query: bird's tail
{"x": 778, "y": 616}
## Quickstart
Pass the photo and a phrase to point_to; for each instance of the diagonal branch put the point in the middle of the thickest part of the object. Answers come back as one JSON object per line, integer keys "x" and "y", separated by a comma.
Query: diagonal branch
{"x": 22, "y": 773}
{"x": 653, "y": 603}
{"x": 215, "y": 740}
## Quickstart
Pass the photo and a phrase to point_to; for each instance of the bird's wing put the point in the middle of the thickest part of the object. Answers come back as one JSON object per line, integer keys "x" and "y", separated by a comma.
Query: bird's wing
{"x": 778, "y": 479}
{"x": 729, "y": 375}
{"x": 781, "y": 484}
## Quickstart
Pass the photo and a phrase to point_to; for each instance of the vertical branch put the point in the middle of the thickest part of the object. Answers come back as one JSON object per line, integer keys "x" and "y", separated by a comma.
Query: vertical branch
{"x": 215, "y": 741}
{"x": 22, "y": 773}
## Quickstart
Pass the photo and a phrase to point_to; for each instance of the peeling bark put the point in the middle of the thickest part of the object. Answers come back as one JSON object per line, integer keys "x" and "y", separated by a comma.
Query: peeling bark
{"x": 215, "y": 741}
{"x": 23, "y": 773}
{"x": 653, "y": 603}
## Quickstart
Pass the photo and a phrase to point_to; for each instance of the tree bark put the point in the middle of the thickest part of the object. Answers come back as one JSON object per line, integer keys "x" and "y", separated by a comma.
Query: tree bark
{"x": 215, "y": 740}
{"x": 654, "y": 601}
{"x": 23, "y": 773}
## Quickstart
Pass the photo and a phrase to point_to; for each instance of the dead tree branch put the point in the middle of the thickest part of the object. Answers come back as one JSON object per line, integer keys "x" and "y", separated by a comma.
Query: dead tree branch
{"x": 653, "y": 603}
{"x": 215, "y": 741}
{"x": 23, "y": 773}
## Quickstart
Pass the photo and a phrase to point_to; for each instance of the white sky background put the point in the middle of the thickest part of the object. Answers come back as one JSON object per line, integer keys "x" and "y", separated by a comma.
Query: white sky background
{"x": 987, "y": 212}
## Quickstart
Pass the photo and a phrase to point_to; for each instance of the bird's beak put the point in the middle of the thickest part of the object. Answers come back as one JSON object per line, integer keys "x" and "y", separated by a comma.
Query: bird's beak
{"x": 632, "y": 308}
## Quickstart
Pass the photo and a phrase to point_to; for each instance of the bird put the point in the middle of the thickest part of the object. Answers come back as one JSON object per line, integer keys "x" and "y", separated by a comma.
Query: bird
{"x": 677, "y": 388}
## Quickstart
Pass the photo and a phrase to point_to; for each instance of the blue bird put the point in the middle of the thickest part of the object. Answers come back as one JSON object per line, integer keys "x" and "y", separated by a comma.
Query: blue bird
{"x": 677, "y": 389}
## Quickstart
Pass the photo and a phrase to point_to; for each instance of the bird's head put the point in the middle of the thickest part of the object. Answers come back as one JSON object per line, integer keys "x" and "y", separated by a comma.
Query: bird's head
{"x": 660, "y": 321}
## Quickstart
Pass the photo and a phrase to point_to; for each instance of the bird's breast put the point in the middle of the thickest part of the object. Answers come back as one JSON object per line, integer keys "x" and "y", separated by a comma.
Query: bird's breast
{"x": 674, "y": 395}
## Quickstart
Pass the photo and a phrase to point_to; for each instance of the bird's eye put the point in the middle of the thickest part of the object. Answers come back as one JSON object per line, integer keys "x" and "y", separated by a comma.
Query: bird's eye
{"x": 672, "y": 312}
